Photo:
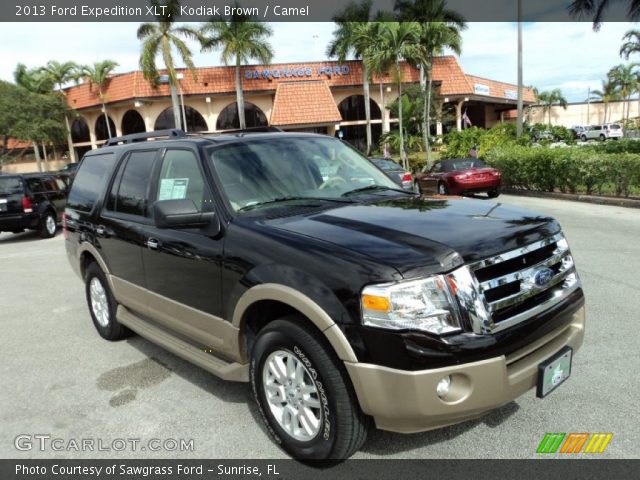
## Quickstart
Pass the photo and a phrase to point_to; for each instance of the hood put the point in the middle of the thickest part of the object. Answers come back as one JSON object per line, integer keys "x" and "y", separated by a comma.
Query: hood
{"x": 419, "y": 236}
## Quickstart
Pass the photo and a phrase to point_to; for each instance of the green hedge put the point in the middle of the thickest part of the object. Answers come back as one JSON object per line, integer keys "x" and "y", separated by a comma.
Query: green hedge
{"x": 573, "y": 170}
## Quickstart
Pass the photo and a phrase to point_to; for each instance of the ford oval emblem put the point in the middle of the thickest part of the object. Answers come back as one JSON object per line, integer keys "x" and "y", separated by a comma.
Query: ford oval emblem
{"x": 543, "y": 277}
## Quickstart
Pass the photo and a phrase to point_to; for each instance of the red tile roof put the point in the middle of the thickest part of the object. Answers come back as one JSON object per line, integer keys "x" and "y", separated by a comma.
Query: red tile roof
{"x": 304, "y": 103}
{"x": 256, "y": 78}
{"x": 13, "y": 144}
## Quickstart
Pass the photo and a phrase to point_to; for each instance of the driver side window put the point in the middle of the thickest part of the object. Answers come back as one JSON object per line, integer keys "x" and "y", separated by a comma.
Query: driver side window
{"x": 181, "y": 178}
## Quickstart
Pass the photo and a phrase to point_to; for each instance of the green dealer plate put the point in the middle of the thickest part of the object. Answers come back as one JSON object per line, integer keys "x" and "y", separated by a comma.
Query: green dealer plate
{"x": 553, "y": 372}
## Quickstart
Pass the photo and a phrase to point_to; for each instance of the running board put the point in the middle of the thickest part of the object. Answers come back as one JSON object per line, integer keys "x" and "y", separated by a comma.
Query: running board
{"x": 227, "y": 371}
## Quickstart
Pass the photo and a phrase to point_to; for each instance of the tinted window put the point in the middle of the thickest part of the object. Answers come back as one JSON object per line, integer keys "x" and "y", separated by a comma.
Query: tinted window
{"x": 90, "y": 180}
{"x": 49, "y": 184}
{"x": 597, "y": 128}
{"x": 132, "y": 187}
{"x": 181, "y": 178}
{"x": 387, "y": 165}
{"x": 462, "y": 164}
{"x": 614, "y": 127}
{"x": 10, "y": 185}
{"x": 35, "y": 185}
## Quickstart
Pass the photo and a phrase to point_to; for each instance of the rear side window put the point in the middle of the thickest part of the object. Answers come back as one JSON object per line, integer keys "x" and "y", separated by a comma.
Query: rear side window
{"x": 35, "y": 185}
{"x": 90, "y": 181}
{"x": 10, "y": 185}
{"x": 129, "y": 192}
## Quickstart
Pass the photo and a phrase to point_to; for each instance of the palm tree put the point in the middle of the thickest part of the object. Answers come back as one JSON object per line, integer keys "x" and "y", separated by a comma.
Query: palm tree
{"x": 606, "y": 94}
{"x": 631, "y": 44}
{"x": 161, "y": 38}
{"x": 62, "y": 73}
{"x": 441, "y": 29}
{"x": 241, "y": 40}
{"x": 596, "y": 9}
{"x": 549, "y": 99}
{"x": 354, "y": 35}
{"x": 98, "y": 74}
{"x": 397, "y": 41}
{"x": 623, "y": 77}
{"x": 33, "y": 79}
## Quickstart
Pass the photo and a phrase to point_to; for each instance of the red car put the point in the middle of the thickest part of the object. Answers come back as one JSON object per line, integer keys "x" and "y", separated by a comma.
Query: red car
{"x": 459, "y": 176}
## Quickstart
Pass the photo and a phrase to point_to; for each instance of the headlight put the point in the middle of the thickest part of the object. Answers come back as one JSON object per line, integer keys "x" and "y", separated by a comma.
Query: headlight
{"x": 424, "y": 304}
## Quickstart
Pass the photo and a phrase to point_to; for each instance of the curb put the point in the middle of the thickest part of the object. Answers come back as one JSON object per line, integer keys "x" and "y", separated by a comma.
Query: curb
{"x": 613, "y": 201}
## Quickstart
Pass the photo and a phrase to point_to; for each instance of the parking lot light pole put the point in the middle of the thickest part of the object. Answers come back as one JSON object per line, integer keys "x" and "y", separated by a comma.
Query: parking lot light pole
{"x": 519, "y": 122}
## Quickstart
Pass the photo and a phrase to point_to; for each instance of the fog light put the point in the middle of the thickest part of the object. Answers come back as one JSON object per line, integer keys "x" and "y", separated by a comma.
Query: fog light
{"x": 443, "y": 386}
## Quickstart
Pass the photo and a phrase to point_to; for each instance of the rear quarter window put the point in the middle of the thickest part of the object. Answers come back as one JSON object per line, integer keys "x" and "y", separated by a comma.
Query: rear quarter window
{"x": 88, "y": 185}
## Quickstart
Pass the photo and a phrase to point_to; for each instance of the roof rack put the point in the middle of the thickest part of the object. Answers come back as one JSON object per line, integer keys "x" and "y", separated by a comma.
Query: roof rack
{"x": 141, "y": 137}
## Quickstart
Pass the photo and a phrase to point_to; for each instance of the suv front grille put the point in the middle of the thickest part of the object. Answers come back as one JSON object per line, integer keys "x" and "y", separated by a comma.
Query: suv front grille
{"x": 504, "y": 290}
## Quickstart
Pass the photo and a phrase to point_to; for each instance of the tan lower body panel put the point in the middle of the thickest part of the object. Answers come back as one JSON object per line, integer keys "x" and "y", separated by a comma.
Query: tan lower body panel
{"x": 407, "y": 402}
{"x": 207, "y": 330}
{"x": 225, "y": 370}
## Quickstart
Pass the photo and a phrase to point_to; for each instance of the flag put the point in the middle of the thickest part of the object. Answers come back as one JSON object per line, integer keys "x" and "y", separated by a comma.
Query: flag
{"x": 466, "y": 119}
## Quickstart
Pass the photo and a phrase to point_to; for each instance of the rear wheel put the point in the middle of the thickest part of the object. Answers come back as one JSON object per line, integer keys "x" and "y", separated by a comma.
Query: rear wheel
{"x": 48, "y": 226}
{"x": 102, "y": 305}
{"x": 602, "y": 137}
{"x": 442, "y": 189}
{"x": 304, "y": 395}
{"x": 493, "y": 193}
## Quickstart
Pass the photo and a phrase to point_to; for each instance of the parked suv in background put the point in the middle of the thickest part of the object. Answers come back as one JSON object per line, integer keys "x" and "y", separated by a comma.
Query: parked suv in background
{"x": 344, "y": 305}
{"x": 602, "y": 132}
{"x": 32, "y": 201}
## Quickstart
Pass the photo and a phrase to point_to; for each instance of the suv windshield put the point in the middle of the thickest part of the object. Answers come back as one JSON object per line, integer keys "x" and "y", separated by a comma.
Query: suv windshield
{"x": 274, "y": 171}
{"x": 10, "y": 185}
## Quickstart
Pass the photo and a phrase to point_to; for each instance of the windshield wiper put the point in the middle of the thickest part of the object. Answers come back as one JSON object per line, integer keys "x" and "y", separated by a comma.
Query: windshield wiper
{"x": 373, "y": 188}
{"x": 291, "y": 198}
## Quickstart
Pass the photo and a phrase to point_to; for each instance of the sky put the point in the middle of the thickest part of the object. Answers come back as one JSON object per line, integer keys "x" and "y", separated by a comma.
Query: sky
{"x": 569, "y": 56}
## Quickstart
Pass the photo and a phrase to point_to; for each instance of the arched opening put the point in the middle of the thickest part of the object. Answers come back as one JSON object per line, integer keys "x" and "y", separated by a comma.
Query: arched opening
{"x": 352, "y": 109}
{"x": 228, "y": 118}
{"x": 80, "y": 131}
{"x": 194, "y": 121}
{"x": 101, "y": 128}
{"x": 132, "y": 122}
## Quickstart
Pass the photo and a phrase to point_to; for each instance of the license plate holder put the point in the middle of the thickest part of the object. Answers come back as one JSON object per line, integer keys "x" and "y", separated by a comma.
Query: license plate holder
{"x": 554, "y": 372}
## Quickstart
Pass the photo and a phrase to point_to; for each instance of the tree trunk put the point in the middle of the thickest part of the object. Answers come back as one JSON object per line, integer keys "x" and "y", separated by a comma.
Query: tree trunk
{"x": 240, "y": 96}
{"x": 177, "y": 118}
{"x": 46, "y": 158}
{"x": 36, "y": 152}
{"x": 428, "y": 111}
{"x": 383, "y": 109}
{"x": 403, "y": 155}
{"x": 367, "y": 106}
{"x": 72, "y": 153}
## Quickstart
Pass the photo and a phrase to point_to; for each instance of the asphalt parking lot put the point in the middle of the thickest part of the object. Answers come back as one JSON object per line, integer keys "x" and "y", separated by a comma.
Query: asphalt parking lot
{"x": 59, "y": 378}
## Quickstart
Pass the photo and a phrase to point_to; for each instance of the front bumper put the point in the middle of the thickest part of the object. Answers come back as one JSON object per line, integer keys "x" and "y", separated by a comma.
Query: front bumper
{"x": 406, "y": 401}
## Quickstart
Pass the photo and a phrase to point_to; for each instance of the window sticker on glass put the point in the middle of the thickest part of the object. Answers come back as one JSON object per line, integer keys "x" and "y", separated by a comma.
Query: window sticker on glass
{"x": 173, "y": 188}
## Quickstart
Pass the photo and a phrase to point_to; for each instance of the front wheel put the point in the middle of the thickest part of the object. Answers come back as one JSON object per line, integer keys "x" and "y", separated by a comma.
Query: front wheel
{"x": 303, "y": 393}
{"x": 442, "y": 189}
{"x": 583, "y": 138}
{"x": 602, "y": 138}
{"x": 493, "y": 193}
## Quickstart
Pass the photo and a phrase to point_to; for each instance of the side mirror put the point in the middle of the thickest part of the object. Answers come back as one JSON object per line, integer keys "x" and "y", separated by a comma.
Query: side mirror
{"x": 181, "y": 214}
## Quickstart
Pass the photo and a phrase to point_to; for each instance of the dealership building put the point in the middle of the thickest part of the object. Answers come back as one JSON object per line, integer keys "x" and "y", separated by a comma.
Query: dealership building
{"x": 321, "y": 97}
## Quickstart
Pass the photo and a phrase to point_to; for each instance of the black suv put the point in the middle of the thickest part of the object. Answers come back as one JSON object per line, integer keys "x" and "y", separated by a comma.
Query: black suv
{"x": 290, "y": 261}
{"x": 32, "y": 201}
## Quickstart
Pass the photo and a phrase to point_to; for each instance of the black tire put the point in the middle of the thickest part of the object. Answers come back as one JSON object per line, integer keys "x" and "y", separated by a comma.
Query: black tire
{"x": 48, "y": 226}
{"x": 442, "y": 189}
{"x": 493, "y": 193}
{"x": 602, "y": 137}
{"x": 583, "y": 138}
{"x": 416, "y": 188}
{"x": 342, "y": 427}
{"x": 112, "y": 329}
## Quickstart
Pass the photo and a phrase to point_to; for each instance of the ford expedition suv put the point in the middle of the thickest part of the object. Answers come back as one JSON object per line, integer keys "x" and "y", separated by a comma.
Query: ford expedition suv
{"x": 346, "y": 304}
{"x": 32, "y": 201}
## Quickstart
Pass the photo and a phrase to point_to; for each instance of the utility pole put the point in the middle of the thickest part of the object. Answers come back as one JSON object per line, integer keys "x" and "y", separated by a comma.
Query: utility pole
{"x": 588, "y": 104}
{"x": 520, "y": 121}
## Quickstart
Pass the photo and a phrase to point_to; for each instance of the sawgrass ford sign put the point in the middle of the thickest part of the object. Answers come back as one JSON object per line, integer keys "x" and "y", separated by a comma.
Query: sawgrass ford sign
{"x": 323, "y": 70}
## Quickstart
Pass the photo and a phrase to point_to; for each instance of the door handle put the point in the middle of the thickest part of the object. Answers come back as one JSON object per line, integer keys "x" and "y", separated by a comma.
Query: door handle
{"x": 100, "y": 230}
{"x": 152, "y": 243}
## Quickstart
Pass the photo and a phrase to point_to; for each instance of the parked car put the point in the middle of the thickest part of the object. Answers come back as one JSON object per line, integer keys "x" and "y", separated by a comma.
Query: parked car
{"x": 69, "y": 168}
{"x": 32, "y": 201}
{"x": 577, "y": 131}
{"x": 602, "y": 132}
{"x": 395, "y": 172}
{"x": 459, "y": 176}
{"x": 344, "y": 306}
